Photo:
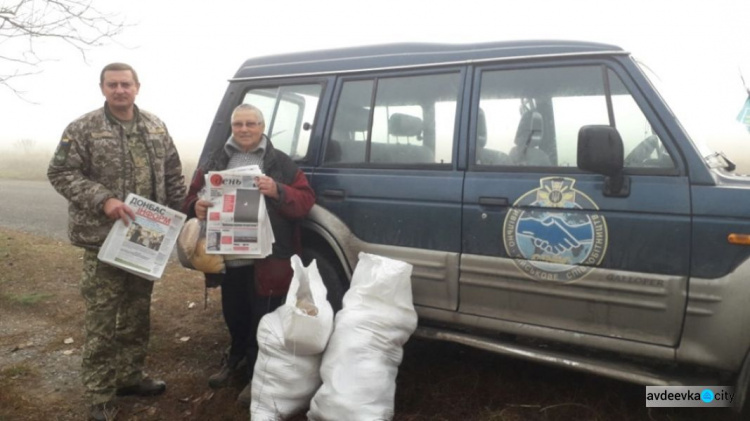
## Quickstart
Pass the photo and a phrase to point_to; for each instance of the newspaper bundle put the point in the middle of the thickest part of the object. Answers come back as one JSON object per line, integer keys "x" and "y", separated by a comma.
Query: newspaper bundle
{"x": 237, "y": 224}
{"x": 144, "y": 246}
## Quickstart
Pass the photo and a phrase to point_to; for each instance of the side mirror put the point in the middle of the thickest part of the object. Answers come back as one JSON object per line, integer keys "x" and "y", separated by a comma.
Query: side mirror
{"x": 600, "y": 151}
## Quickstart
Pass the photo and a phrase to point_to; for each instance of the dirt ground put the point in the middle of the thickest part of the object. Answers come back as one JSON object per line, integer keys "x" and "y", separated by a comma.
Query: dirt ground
{"x": 41, "y": 311}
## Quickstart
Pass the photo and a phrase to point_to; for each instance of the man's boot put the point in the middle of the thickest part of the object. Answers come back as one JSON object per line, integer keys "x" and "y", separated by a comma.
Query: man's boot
{"x": 146, "y": 387}
{"x": 228, "y": 367}
{"x": 246, "y": 396}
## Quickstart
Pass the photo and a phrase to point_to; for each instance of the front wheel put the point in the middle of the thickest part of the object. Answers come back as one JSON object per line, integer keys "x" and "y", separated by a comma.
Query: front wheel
{"x": 332, "y": 276}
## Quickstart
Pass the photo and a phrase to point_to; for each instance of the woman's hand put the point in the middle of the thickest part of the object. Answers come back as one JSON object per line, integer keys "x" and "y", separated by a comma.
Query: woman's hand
{"x": 267, "y": 186}
{"x": 201, "y": 209}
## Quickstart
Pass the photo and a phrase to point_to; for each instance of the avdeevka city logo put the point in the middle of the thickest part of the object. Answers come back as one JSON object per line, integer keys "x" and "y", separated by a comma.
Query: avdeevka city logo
{"x": 554, "y": 232}
{"x": 707, "y": 395}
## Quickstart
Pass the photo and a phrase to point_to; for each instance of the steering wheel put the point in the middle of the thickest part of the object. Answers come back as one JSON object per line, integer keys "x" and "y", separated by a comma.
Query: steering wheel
{"x": 640, "y": 156}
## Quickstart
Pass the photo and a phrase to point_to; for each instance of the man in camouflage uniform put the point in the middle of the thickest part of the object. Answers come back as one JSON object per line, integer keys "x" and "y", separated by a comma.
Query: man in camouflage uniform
{"x": 103, "y": 156}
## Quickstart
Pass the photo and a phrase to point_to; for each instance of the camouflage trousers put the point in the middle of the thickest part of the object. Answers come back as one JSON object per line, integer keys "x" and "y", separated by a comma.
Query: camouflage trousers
{"x": 117, "y": 325}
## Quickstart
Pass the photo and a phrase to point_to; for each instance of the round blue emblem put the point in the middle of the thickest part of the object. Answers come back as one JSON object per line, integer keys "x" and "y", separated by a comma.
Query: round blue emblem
{"x": 554, "y": 232}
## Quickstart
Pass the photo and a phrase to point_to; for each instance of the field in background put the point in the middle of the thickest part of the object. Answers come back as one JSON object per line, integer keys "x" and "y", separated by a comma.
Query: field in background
{"x": 32, "y": 165}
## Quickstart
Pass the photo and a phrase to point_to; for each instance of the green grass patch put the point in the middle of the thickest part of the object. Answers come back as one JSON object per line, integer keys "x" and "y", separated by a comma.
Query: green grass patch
{"x": 18, "y": 370}
{"x": 30, "y": 298}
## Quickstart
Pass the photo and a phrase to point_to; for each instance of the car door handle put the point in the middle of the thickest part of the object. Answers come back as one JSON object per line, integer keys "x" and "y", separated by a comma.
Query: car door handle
{"x": 334, "y": 194}
{"x": 494, "y": 201}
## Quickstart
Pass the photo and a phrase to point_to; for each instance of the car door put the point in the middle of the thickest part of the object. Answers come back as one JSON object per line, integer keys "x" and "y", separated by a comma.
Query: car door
{"x": 389, "y": 173}
{"x": 542, "y": 242}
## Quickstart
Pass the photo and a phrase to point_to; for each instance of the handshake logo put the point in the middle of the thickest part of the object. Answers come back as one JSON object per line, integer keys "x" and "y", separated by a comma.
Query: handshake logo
{"x": 554, "y": 235}
{"x": 689, "y": 396}
{"x": 555, "y": 232}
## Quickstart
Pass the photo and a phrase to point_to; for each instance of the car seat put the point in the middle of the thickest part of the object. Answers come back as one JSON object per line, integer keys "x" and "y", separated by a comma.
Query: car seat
{"x": 487, "y": 156}
{"x": 528, "y": 139}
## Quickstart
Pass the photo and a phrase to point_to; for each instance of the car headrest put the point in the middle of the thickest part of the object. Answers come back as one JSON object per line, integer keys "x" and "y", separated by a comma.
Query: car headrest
{"x": 405, "y": 125}
{"x": 530, "y": 129}
{"x": 481, "y": 129}
{"x": 352, "y": 119}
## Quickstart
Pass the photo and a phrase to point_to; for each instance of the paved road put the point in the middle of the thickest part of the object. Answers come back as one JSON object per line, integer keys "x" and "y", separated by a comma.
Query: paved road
{"x": 33, "y": 206}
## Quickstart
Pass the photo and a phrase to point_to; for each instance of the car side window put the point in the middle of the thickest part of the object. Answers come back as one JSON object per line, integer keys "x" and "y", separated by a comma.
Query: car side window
{"x": 531, "y": 117}
{"x": 289, "y": 112}
{"x": 395, "y": 121}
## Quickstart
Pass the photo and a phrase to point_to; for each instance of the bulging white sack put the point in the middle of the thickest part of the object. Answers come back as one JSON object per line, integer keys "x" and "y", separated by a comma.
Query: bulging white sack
{"x": 361, "y": 362}
{"x": 290, "y": 344}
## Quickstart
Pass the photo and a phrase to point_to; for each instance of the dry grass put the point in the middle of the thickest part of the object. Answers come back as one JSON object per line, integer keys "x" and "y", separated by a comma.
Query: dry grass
{"x": 17, "y": 371}
{"x": 30, "y": 298}
{"x": 437, "y": 381}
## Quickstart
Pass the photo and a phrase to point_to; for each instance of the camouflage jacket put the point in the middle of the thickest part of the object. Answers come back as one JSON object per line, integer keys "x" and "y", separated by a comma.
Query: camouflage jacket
{"x": 92, "y": 163}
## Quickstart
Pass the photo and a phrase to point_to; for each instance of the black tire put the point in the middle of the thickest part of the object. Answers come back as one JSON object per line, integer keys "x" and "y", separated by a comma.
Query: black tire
{"x": 333, "y": 277}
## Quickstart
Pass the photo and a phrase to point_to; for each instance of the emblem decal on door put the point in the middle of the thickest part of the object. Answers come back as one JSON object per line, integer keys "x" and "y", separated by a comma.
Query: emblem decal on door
{"x": 554, "y": 232}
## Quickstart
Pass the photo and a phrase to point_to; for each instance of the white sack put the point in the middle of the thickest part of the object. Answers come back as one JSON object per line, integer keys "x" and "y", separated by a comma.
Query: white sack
{"x": 361, "y": 362}
{"x": 308, "y": 319}
{"x": 286, "y": 373}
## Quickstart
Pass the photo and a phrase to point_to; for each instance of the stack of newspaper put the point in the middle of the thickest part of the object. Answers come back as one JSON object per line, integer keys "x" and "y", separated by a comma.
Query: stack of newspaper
{"x": 237, "y": 224}
{"x": 144, "y": 246}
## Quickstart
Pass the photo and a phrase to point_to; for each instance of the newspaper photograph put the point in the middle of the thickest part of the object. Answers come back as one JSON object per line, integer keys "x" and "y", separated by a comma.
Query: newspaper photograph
{"x": 144, "y": 246}
{"x": 237, "y": 224}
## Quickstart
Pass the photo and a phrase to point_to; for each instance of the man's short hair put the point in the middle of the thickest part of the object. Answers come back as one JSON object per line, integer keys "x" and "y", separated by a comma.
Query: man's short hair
{"x": 256, "y": 110}
{"x": 116, "y": 67}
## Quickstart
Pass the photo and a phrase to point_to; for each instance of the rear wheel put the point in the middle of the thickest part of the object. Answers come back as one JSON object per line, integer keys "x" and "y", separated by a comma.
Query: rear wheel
{"x": 332, "y": 275}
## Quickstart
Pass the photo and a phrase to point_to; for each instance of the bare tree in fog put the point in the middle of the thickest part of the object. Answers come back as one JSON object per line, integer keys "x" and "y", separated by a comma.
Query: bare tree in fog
{"x": 24, "y": 23}
{"x": 26, "y": 145}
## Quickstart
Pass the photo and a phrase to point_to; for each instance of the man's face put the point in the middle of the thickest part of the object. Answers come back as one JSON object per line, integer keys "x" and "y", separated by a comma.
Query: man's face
{"x": 247, "y": 129}
{"x": 119, "y": 88}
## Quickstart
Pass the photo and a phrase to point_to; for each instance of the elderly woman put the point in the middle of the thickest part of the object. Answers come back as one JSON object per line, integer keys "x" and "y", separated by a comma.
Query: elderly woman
{"x": 253, "y": 288}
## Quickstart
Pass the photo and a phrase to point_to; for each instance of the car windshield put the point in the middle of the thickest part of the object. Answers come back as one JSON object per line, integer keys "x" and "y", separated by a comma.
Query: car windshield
{"x": 709, "y": 116}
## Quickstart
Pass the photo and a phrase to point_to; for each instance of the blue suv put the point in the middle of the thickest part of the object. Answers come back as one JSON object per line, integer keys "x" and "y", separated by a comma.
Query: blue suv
{"x": 543, "y": 192}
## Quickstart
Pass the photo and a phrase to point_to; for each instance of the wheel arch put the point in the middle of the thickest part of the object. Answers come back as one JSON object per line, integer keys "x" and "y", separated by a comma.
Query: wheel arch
{"x": 328, "y": 234}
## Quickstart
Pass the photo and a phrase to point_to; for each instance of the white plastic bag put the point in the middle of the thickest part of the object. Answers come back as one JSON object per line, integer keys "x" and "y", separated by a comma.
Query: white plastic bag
{"x": 308, "y": 316}
{"x": 361, "y": 362}
{"x": 283, "y": 383}
{"x": 290, "y": 344}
